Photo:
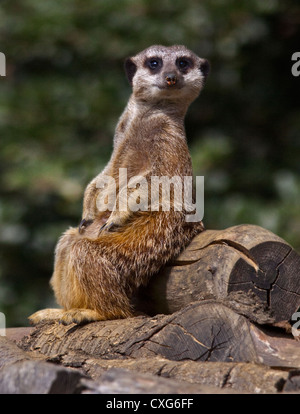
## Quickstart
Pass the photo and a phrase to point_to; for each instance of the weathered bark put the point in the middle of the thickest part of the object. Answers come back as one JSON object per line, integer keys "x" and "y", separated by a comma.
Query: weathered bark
{"x": 202, "y": 331}
{"x": 28, "y": 373}
{"x": 120, "y": 381}
{"x": 226, "y": 376}
{"x": 217, "y": 262}
{"x": 204, "y": 348}
{"x": 33, "y": 372}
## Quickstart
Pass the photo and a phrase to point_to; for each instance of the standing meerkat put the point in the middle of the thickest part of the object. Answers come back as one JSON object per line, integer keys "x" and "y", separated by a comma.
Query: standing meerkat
{"x": 100, "y": 264}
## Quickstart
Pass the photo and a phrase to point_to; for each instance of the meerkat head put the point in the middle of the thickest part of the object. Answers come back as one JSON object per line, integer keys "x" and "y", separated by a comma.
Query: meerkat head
{"x": 162, "y": 73}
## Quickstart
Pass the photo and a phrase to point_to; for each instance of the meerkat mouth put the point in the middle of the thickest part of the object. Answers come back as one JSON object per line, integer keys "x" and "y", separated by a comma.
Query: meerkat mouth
{"x": 168, "y": 87}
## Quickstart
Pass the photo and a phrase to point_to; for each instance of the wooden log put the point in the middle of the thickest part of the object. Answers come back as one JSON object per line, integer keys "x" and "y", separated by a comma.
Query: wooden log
{"x": 217, "y": 262}
{"x": 120, "y": 381}
{"x": 27, "y": 372}
{"x": 32, "y": 377}
{"x": 10, "y": 353}
{"x": 230, "y": 376}
{"x": 202, "y": 331}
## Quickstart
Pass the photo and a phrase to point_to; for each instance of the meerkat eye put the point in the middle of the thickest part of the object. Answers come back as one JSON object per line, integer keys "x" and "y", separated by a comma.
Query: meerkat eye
{"x": 183, "y": 64}
{"x": 154, "y": 63}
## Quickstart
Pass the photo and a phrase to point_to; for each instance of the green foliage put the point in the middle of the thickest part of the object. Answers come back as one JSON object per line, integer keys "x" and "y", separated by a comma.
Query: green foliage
{"x": 65, "y": 89}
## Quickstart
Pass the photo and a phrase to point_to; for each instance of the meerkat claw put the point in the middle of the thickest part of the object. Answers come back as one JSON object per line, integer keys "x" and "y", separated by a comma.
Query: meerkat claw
{"x": 83, "y": 224}
{"x": 106, "y": 227}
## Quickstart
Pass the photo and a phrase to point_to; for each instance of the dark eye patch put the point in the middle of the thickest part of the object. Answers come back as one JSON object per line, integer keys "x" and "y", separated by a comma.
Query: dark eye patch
{"x": 184, "y": 64}
{"x": 154, "y": 64}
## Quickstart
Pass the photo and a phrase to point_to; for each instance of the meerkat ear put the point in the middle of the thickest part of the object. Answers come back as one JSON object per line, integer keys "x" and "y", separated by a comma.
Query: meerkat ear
{"x": 204, "y": 67}
{"x": 130, "y": 69}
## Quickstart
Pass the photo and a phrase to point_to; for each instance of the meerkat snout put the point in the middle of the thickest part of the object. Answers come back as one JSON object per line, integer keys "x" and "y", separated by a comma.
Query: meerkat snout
{"x": 171, "y": 79}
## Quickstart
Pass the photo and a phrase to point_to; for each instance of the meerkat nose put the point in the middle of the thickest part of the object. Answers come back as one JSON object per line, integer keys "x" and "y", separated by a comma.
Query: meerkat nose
{"x": 171, "y": 79}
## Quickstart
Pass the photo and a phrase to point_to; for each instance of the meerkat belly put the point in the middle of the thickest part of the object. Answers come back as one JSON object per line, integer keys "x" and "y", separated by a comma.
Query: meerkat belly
{"x": 144, "y": 244}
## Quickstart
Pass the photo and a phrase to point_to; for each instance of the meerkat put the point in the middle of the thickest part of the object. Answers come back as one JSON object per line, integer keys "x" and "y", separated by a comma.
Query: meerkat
{"x": 100, "y": 264}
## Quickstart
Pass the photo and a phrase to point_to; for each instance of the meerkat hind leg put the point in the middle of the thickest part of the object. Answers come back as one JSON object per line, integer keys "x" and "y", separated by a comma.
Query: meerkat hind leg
{"x": 66, "y": 317}
{"x": 45, "y": 315}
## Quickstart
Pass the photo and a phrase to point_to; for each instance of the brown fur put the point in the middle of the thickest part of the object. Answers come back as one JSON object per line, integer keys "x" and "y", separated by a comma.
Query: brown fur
{"x": 97, "y": 269}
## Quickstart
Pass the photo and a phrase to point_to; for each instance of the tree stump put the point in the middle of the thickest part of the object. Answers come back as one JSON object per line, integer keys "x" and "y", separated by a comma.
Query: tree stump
{"x": 218, "y": 262}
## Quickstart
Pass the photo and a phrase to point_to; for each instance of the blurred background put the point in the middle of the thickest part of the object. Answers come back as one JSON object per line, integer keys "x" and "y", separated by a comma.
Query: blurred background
{"x": 65, "y": 89}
